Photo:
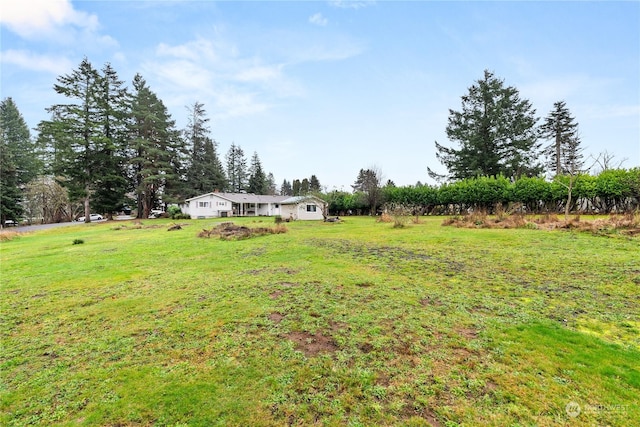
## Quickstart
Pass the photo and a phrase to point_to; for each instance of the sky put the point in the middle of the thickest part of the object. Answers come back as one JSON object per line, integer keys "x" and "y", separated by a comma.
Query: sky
{"x": 329, "y": 88}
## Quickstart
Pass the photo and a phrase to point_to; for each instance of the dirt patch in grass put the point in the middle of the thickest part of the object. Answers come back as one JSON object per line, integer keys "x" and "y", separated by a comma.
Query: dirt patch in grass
{"x": 231, "y": 231}
{"x": 393, "y": 257}
{"x": 276, "y": 294}
{"x": 364, "y": 285}
{"x": 468, "y": 333}
{"x": 284, "y": 270}
{"x": 427, "y": 301}
{"x": 137, "y": 225}
{"x": 276, "y": 317}
{"x": 288, "y": 284}
{"x": 410, "y": 411}
{"x": 312, "y": 344}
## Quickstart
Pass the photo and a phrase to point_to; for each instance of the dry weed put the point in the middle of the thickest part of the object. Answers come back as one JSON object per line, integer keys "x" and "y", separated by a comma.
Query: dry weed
{"x": 385, "y": 217}
{"x": 230, "y": 231}
{"x": 8, "y": 235}
{"x": 627, "y": 224}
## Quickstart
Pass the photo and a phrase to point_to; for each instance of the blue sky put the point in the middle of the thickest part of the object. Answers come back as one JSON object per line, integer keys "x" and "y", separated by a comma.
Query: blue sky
{"x": 328, "y": 88}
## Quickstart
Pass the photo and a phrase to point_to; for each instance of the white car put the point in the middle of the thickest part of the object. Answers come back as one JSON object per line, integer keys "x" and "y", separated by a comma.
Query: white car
{"x": 92, "y": 217}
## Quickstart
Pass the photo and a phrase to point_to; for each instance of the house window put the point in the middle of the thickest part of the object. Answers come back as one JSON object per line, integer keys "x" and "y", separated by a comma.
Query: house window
{"x": 221, "y": 203}
{"x": 311, "y": 208}
{"x": 203, "y": 204}
{"x": 277, "y": 206}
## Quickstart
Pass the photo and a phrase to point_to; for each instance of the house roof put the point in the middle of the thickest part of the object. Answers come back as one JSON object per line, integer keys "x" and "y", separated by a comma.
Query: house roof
{"x": 298, "y": 199}
{"x": 256, "y": 198}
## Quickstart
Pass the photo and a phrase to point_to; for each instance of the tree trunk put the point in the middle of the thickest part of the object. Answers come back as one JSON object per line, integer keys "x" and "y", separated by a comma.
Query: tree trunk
{"x": 558, "y": 154}
{"x": 87, "y": 208}
{"x": 568, "y": 205}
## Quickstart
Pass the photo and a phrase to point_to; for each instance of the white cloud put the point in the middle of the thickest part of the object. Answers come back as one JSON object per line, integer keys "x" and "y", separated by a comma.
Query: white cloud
{"x": 260, "y": 73}
{"x": 35, "y": 62}
{"x": 318, "y": 19}
{"x": 351, "y": 4}
{"x": 213, "y": 72}
{"x": 44, "y": 18}
{"x": 185, "y": 74}
{"x": 572, "y": 88}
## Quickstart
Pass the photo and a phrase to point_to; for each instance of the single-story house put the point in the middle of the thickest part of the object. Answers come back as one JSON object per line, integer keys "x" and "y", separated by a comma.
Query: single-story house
{"x": 223, "y": 205}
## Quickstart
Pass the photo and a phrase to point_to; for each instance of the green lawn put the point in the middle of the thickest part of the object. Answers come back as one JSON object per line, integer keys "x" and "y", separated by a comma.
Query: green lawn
{"x": 355, "y": 323}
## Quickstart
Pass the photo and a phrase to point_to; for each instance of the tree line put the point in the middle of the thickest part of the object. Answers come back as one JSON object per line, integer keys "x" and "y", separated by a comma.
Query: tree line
{"x": 107, "y": 146}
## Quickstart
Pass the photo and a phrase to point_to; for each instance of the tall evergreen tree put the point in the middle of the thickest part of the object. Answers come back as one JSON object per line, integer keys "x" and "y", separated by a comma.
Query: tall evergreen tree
{"x": 304, "y": 187}
{"x": 214, "y": 171}
{"x": 314, "y": 184}
{"x": 156, "y": 149}
{"x": 18, "y": 160}
{"x": 236, "y": 169}
{"x": 76, "y": 134}
{"x": 369, "y": 182}
{"x": 205, "y": 172}
{"x": 297, "y": 185}
{"x": 286, "y": 189}
{"x": 271, "y": 185}
{"x": 257, "y": 179}
{"x": 87, "y": 137}
{"x": 495, "y": 131}
{"x": 564, "y": 151}
{"x": 112, "y": 114}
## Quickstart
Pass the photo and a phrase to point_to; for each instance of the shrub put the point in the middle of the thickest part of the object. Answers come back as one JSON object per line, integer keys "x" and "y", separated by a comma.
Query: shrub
{"x": 399, "y": 221}
{"x": 173, "y": 210}
{"x": 78, "y": 241}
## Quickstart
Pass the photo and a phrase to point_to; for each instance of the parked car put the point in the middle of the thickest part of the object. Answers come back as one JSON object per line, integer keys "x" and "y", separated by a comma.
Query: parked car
{"x": 93, "y": 217}
{"x": 10, "y": 223}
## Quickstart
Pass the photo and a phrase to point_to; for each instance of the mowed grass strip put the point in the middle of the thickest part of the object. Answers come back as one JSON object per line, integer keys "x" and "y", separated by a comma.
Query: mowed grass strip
{"x": 353, "y": 323}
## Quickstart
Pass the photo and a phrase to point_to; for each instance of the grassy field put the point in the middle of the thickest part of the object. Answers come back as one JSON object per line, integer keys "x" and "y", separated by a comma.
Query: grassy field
{"x": 354, "y": 323}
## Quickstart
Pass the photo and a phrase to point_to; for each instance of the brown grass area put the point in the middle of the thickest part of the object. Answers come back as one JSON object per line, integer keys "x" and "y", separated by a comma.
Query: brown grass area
{"x": 8, "y": 235}
{"x": 627, "y": 224}
{"x": 231, "y": 231}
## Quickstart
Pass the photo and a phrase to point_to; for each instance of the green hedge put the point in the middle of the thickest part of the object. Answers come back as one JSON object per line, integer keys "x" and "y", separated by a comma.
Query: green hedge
{"x": 616, "y": 190}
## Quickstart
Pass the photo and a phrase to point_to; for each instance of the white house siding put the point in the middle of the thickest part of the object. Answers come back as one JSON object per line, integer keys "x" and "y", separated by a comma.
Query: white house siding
{"x": 301, "y": 211}
{"x": 214, "y": 205}
{"x": 208, "y": 206}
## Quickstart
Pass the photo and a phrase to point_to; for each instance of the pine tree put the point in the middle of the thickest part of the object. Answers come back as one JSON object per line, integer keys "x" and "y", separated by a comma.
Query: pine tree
{"x": 304, "y": 187}
{"x": 76, "y": 132}
{"x": 214, "y": 171}
{"x": 111, "y": 183}
{"x": 286, "y": 189}
{"x": 88, "y": 137}
{"x": 18, "y": 160}
{"x": 271, "y": 184}
{"x": 156, "y": 149}
{"x": 495, "y": 131}
{"x": 236, "y": 169}
{"x": 564, "y": 152}
{"x": 296, "y": 187}
{"x": 314, "y": 184}
{"x": 257, "y": 179}
{"x": 368, "y": 182}
{"x": 205, "y": 172}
